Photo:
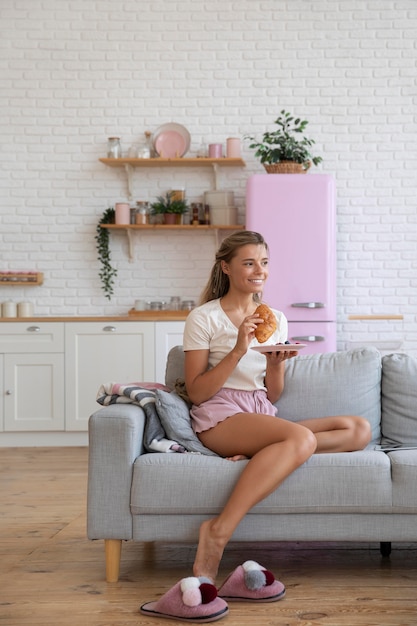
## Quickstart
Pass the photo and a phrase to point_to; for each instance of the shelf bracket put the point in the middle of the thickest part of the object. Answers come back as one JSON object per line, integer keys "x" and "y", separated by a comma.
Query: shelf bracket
{"x": 129, "y": 178}
{"x": 215, "y": 174}
{"x": 130, "y": 245}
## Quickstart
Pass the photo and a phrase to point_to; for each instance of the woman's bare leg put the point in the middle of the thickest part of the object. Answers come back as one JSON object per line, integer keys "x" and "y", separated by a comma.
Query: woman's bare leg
{"x": 275, "y": 447}
{"x": 343, "y": 433}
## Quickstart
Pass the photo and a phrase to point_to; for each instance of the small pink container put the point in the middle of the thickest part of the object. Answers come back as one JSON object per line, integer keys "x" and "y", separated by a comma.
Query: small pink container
{"x": 122, "y": 211}
{"x": 233, "y": 150}
{"x": 215, "y": 150}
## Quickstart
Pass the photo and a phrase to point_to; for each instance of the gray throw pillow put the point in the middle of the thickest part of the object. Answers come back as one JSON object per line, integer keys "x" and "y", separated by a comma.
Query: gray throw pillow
{"x": 399, "y": 401}
{"x": 176, "y": 421}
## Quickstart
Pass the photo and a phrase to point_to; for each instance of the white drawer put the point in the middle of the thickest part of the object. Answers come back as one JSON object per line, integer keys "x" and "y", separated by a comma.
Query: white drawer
{"x": 20, "y": 337}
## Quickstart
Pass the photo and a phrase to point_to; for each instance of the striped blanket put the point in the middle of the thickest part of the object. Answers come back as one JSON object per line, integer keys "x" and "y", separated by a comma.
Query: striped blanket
{"x": 142, "y": 394}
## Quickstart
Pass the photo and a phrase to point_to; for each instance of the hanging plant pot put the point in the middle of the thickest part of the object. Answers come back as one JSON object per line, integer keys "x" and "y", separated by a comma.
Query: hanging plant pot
{"x": 287, "y": 167}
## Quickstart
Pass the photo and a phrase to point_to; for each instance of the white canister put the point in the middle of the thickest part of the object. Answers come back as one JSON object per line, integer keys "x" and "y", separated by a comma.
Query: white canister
{"x": 122, "y": 213}
{"x": 25, "y": 309}
{"x": 9, "y": 309}
{"x": 233, "y": 150}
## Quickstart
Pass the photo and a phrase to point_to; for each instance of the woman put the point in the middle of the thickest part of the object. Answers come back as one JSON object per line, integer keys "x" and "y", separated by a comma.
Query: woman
{"x": 233, "y": 389}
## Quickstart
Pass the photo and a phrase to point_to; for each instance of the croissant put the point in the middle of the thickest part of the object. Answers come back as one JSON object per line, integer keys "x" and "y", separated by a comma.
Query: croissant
{"x": 265, "y": 329}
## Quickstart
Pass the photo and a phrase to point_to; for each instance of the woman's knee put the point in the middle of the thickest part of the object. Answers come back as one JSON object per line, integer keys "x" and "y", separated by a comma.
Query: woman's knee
{"x": 305, "y": 444}
{"x": 362, "y": 432}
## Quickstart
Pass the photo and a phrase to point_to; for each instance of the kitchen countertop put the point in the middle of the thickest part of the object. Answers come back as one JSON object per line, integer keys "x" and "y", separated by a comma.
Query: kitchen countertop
{"x": 132, "y": 316}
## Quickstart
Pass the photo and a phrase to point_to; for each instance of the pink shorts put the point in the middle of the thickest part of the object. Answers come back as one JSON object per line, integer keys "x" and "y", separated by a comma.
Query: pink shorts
{"x": 227, "y": 402}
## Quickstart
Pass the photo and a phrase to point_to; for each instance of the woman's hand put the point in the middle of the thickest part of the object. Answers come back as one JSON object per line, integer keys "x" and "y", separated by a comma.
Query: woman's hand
{"x": 246, "y": 332}
{"x": 275, "y": 358}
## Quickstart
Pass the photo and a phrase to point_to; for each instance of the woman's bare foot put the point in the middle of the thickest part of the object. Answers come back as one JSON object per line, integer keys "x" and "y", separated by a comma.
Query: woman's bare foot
{"x": 209, "y": 552}
{"x": 237, "y": 457}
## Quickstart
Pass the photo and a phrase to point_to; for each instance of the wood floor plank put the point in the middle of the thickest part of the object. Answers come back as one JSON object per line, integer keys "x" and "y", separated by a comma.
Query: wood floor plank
{"x": 51, "y": 574}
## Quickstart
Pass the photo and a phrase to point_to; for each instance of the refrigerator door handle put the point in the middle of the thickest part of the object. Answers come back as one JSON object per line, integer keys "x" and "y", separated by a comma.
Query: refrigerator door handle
{"x": 308, "y": 305}
{"x": 309, "y": 338}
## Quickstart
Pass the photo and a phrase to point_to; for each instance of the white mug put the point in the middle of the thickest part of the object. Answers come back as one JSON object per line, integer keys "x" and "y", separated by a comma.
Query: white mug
{"x": 140, "y": 305}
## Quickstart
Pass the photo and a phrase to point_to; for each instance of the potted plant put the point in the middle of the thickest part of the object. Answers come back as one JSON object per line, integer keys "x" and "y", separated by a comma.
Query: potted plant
{"x": 285, "y": 150}
{"x": 172, "y": 210}
{"x": 107, "y": 272}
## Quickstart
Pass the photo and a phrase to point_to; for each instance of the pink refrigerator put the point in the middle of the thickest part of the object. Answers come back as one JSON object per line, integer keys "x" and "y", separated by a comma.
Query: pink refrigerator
{"x": 296, "y": 215}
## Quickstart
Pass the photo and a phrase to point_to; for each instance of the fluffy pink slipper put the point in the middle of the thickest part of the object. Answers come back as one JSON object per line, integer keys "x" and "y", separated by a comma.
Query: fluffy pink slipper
{"x": 251, "y": 582}
{"x": 190, "y": 600}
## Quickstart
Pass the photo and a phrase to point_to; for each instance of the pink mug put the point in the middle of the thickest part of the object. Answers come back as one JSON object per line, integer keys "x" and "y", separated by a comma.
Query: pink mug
{"x": 215, "y": 150}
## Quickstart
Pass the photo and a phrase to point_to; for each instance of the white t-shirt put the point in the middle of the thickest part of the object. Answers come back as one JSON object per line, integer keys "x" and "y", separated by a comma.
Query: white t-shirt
{"x": 207, "y": 327}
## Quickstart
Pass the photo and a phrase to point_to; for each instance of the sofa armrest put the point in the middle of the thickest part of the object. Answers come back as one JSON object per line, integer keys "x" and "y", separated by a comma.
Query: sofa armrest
{"x": 115, "y": 440}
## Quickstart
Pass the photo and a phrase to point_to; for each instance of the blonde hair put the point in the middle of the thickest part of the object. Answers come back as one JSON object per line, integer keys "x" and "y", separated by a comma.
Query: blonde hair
{"x": 218, "y": 283}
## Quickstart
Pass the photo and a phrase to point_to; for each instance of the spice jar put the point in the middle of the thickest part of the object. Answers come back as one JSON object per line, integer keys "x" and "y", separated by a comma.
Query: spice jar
{"x": 114, "y": 149}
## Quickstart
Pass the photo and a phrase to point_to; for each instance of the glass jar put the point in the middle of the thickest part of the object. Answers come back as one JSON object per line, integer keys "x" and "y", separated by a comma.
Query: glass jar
{"x": 149, "y": 143}
{"x": 175, "y": 303}
{"x": 114, "y": 149}
{"x": 142, "y": 212}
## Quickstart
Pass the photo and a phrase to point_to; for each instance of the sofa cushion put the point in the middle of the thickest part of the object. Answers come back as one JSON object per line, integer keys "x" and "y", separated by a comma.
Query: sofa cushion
{"x": 195, "y": 484}
{"x": 335, "y": 383}
{"x": 404, "y": 479}
{"x": 399, "y": 401}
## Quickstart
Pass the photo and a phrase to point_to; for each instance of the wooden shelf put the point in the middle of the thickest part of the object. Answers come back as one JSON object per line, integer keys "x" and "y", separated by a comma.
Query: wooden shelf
{"x": 129, "y": 228}
{"x": 173, "y": 226}
{"x": 130, "y": 164}
{"x": 22, "y": 279}
{"x": 181, "y": 162}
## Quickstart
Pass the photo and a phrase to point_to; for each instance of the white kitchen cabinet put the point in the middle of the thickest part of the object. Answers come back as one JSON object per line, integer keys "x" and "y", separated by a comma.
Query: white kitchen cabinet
{"x": 50, "y": 372}
{"x": 100, "y": 352}
{"x": 34, "y": 392}
{"x": 32, "y": 377}
{"x": 167, "y": 335}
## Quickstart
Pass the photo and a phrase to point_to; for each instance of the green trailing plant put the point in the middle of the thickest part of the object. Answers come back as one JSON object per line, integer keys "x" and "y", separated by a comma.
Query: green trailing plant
{"x": 286, "y": 143}
{"x": 107, "y": 272}
{"x": 165, "y": 204}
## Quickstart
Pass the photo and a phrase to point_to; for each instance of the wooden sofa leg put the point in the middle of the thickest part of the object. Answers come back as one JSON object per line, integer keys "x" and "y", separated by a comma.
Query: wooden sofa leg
{"x": 113, "y": 550}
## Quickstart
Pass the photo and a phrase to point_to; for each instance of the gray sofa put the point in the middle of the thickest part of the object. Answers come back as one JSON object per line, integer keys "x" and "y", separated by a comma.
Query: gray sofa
{"x": 369, "y": 495}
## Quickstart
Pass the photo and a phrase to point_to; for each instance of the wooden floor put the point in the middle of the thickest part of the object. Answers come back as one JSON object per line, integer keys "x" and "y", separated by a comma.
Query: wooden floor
{"x": 50, "y": 574}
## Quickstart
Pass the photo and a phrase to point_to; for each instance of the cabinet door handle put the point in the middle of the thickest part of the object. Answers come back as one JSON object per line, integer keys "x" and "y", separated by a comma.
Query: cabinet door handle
{"x": 109, "y": 329}
{"x": 308, "y": 305}
{"x": 8, "y": 392}
{"x": 33, "y": 329}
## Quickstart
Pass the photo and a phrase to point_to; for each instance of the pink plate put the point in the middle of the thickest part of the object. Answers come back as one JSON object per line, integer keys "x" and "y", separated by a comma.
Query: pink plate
{"x": 170, "y": 144}
{"x": 280, "y": 347}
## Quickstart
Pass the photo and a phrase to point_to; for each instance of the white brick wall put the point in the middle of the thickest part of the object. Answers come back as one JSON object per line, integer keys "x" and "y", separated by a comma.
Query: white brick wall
{"x": 74, "y": 72}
